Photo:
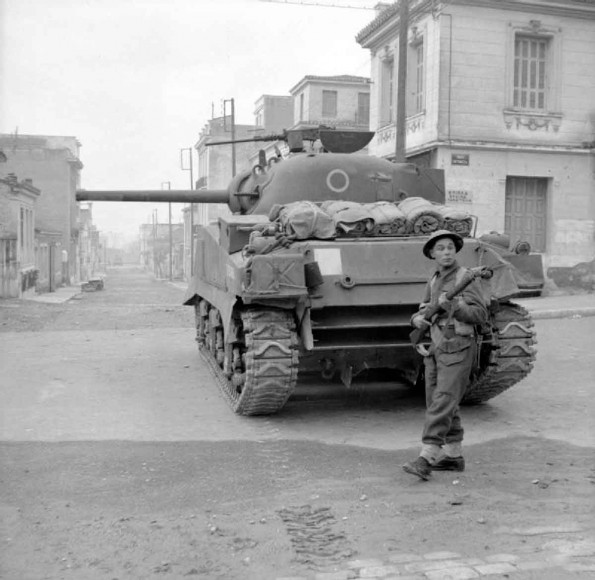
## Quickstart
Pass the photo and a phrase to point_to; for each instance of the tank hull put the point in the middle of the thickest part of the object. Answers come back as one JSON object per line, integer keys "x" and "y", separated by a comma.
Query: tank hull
{"x": 356, "y": 318}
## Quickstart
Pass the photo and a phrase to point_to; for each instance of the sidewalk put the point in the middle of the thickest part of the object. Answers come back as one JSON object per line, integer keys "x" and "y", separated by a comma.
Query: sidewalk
{"x": 560, "y": 306}
{"x": 60, "y": 296}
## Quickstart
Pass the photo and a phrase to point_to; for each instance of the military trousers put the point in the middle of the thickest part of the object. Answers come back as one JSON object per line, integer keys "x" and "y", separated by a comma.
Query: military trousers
{"x": 447, "y": 372}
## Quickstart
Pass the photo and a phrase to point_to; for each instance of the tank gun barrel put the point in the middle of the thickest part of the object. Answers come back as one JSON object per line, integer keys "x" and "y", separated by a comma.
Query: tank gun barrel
{"x": 155, "y": 195}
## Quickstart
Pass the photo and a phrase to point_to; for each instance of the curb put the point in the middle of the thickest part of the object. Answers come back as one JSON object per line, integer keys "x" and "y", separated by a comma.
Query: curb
{"x": 52, "y": 298}
{"x": 561, "y": 313}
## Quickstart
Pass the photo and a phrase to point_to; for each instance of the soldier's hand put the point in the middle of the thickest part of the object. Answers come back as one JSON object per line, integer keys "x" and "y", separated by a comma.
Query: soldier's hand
{"x": 420, "y": 322}
{"x": 444, "y": 302}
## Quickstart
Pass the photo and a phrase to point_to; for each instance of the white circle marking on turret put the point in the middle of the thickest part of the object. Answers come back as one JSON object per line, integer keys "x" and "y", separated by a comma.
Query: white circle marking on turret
{"x": 334, "y": 188}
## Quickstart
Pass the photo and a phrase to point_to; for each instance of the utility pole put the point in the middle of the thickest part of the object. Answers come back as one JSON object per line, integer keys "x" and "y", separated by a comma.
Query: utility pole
{"x": 233, "y": 131}
{"x": 154, "y": 242}
{"x": 402, "y": 83}
{"x": 189, "y": 168}
{"x": 168, "y": 183}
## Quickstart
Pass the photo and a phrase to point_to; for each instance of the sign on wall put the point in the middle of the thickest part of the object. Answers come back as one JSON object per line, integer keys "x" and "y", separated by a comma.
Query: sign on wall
{"x": 459, "y": 196}
{"x": 459, "y": 159}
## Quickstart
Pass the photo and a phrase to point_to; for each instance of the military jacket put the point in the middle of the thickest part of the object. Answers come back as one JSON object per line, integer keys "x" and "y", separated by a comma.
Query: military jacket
{"x": 467, "y": 310}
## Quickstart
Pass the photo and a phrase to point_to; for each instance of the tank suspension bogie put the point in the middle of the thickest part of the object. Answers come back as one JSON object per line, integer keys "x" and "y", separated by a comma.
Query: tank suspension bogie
{"x": 256, "y": 370}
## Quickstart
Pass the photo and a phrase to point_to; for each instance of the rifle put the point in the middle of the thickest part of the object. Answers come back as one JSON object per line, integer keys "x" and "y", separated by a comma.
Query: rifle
{"x": 417, "y": 335}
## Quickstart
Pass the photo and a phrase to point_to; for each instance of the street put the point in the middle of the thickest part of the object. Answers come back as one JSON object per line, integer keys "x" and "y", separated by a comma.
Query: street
{"x": 120, "y": 459}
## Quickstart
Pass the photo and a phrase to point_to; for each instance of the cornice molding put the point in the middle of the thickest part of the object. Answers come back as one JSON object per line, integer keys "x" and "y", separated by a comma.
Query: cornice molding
{"x": 386, "y": 25}
{"x": 573, "y": 8}
{"x": 511, "y": 146}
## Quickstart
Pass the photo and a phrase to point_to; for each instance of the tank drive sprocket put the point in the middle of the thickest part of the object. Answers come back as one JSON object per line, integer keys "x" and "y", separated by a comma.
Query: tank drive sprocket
{"x": 508, "y": 358}
{"x": 257, "y": 372}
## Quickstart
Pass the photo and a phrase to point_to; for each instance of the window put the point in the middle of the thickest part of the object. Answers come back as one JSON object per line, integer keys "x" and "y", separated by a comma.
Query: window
{"x": 415, "y": 77}
{"x": 533, "y": 77}
{"x": 329, "y": 103}
{"x": 22, "y": 224}
{"x": 363, "y": 109}
{"x": 530, "y": 72}
{"x": 301, "y": 107}
{"x": 419, "y": 78}
{"x": 387, "y": 95}
{"x": 26, "y": 236}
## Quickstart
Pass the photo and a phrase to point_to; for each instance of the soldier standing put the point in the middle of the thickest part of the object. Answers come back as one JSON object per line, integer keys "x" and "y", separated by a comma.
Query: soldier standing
{"x": 451, "y": 357}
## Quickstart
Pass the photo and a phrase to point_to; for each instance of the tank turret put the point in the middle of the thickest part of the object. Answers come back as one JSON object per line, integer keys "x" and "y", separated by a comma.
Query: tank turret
{"x": 288, "y": 284}
{"x": 341, "y": 174}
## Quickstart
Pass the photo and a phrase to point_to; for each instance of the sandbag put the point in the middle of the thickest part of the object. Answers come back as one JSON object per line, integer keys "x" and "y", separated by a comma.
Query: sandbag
{"x": 423, "y": 217}
{"x": 350, "y": 218}
{"x": 456, "y": 220}
{"x": 304, "y": 220}
{"x": 389, "y": 220}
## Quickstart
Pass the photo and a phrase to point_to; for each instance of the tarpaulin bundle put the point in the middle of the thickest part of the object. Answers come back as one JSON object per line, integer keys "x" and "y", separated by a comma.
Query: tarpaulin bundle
{"x": 456, "y": 220}
{"x": 389, "y": 220}
{"x": 303, "y": 220}
{"x": 350, "y": 218}
{"x": 423, "y": 217}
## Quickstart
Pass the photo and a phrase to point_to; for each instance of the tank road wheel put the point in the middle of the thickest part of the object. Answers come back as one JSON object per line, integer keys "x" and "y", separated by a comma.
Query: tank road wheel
{"x": 257, "y": 370}
{"x": 214, "y": 336}
{"x": 201, "y": 313}
{"x": 508, "y": 358}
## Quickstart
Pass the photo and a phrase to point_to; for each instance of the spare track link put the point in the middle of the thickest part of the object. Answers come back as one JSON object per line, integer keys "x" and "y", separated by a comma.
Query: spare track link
{"x": 270, "y": 363}
{"x": 512, "y": 356}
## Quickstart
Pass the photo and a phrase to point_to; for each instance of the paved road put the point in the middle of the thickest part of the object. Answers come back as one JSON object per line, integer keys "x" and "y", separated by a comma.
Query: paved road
{"x": 123, "y": 364}
{"x": 121, "y": 460}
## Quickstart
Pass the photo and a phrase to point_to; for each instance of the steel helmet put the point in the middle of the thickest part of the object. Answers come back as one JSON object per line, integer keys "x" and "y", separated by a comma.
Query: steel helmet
{"x": 458, "y": 241}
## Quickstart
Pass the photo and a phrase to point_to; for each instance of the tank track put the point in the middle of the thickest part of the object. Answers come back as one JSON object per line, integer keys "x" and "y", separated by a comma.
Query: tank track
{"x": 510, "y": 355}
{"x": 258, "y": 372}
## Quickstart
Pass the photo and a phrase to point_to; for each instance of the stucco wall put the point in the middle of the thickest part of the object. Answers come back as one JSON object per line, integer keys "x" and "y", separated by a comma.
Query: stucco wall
{"x": 481, "y": 70}
{"x": 423, "y": 127}
{"x": 570, "y": 219}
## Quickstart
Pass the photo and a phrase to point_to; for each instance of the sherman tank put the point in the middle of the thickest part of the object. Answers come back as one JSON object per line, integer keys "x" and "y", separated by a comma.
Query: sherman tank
{"x": 274, "y": 296}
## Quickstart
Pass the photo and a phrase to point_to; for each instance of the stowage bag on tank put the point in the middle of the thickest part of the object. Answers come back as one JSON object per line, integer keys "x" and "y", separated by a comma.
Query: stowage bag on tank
{"x": 349, "y": 217}
{"x": 304, "y": 220}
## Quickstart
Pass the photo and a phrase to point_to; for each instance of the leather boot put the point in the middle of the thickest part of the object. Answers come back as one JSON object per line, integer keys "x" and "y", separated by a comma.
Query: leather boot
{"x": 420, "y": 467}
{"x": 449, "y": 464}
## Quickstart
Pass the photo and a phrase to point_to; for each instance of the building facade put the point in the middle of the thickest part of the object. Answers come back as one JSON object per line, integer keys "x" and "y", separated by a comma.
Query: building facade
{"x": 273, "y": 114}
{"x": 18, "y": 271}
{"x": 162, "y": 249}
{"x": 91, "y": 250}
{"x": 52, "y": 163}
{"x": 50, "y": 260}
{"x": 500, "y": 95}
{"x": 341, "y": 101}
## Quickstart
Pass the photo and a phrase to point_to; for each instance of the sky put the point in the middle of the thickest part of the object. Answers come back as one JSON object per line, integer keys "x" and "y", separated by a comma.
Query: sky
{"x": 135, "y": 81}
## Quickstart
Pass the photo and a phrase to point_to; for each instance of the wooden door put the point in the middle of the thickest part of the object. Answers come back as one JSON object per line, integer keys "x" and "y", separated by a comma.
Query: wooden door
{"x": 525, "y": 216}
